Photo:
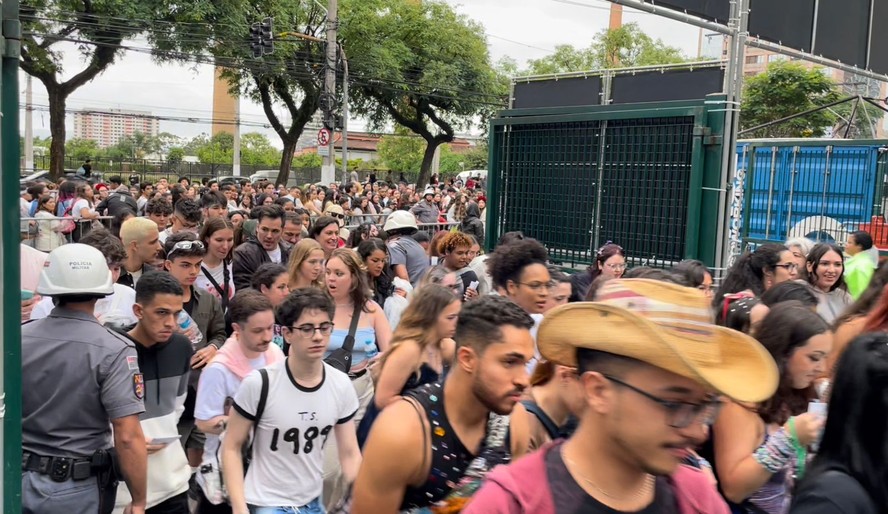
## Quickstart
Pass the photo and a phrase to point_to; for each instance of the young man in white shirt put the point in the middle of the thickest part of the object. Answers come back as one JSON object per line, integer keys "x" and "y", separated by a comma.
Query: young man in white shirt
{"x": 307, "y": 400}
{"x": 249, "y": 348}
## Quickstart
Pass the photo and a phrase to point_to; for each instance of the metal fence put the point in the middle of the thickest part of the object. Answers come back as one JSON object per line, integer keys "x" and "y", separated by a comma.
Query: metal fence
{"x": 49, "y": 223}
{"x": 816, "y": 189}
{"x": 576, "y": 179}
{"x": 153, "y": 170}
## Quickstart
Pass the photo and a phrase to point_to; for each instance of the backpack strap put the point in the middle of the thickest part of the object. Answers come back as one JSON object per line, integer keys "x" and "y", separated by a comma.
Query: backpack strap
{"x": 263, "y": 395}
{"x": 550, "y": 426}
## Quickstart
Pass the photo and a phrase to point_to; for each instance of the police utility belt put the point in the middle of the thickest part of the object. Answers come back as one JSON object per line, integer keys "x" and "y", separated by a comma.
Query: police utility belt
{"x": 61, "y": 469}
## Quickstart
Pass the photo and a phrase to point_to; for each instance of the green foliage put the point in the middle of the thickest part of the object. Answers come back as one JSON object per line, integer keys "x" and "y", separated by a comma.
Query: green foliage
{"x": 175, "y": 155}
{"x": 421, "y": 65}
{"x": 624, "y": 47}
{"x": 401, "y": 152}
{"x": 257, "y": 149}
{"x": 48, "y": 24}
{"x": 784, "y": 89}
{"x": 308, "y": 160}
{"x": 290, "y": 77}
{"x": 81, "y": 149}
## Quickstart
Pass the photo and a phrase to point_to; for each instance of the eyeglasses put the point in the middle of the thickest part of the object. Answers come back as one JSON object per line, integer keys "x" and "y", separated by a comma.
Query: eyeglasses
{"x": 309, "y": 330}
{"x": 537, "y": 286}
{"x": 788, "y": 266}
{"x": 679, "y": 414}
{"x": 186, "y": 245}
{"x": 616, "y": 267}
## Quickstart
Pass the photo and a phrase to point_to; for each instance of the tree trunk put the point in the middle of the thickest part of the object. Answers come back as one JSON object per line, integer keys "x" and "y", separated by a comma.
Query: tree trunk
{"x": 287, "y": 160}
{"x": 425, "y": 171}
{"x": 57, "y": 102}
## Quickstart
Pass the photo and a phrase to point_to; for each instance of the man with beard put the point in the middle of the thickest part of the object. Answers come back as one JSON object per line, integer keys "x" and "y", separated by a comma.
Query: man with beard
{"x": 651, "y": 372}
{"x": 249, "y": 348}
{"x": 438, "y": 430}
{"x": 141, "y": 240}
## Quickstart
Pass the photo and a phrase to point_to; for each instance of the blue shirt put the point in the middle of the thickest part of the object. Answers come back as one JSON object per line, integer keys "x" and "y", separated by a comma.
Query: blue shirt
{"x": 365, "y": 343}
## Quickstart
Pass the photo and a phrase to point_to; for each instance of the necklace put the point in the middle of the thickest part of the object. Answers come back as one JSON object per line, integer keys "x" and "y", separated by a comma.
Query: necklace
{"x": 645, "y": 488}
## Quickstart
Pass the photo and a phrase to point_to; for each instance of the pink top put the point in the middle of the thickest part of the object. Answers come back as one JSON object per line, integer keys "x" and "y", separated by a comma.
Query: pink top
{"x": 506, "y": 491}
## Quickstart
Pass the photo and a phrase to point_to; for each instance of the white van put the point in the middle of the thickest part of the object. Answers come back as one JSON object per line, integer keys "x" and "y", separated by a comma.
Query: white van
{"x": 465, "y": 175}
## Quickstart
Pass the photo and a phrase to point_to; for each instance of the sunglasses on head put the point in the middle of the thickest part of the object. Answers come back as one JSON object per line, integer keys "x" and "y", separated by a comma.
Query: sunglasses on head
{"x": 185, "y": 246}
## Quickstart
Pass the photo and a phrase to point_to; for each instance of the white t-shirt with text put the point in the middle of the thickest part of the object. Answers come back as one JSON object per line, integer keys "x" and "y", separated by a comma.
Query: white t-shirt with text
{"x": 288, "y": 456}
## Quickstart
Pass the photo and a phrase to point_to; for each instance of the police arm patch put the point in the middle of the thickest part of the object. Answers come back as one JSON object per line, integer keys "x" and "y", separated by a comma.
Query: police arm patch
{"x": 139, "y": 385}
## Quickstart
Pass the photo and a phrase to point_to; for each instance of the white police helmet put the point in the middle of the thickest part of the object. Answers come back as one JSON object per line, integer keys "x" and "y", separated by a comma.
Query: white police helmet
{"x": 75, "y": 269}
{"x": 400, "y": 219}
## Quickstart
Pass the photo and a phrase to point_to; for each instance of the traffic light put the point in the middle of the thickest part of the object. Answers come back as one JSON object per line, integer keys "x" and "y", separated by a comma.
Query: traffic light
{"x": 256, "y": 40}
{"x": 267, "y": 34}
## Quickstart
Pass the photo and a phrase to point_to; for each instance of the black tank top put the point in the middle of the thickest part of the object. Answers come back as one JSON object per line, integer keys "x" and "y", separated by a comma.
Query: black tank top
{"x": 449, "y": 457}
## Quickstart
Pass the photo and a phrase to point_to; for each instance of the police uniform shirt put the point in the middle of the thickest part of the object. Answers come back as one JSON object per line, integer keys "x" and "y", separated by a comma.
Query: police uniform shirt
{"x": 76, "y": 376}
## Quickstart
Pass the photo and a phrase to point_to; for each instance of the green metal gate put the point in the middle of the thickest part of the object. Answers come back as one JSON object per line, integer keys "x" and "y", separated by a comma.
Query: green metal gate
{"x": 644, "y": 176}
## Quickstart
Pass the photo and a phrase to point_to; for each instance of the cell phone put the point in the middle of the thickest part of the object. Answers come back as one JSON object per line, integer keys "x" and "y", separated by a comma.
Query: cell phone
{"x": 27, "y": 295}
{"x": 473, "y": 285}
{"x": 819, "y": 409}
{"x": 165, "y": 440}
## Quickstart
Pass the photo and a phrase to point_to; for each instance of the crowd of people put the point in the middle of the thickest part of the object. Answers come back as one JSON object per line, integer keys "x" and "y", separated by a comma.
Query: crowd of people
{"x": 352, "y": 348}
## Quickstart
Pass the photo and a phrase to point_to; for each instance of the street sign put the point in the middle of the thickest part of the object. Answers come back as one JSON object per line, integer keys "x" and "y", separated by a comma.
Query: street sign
{"x": 324, "y": 150}
{"x": 323, "y": 137}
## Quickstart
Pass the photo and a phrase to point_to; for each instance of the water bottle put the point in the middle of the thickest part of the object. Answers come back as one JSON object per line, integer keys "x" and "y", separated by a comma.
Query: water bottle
{"x": 189, "y": 329}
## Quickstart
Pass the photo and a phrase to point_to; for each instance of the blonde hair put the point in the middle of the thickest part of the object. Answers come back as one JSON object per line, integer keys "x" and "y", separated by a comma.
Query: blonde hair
{"x": 299, "y": 254}
{"x": 136, "y": 229}
{"x": 420, "y": 318}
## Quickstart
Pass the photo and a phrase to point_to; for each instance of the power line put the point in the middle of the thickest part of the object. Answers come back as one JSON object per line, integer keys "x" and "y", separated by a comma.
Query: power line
{"x": 308, "y": 57}
{"x": 181, "y": 119}
{"x": 241, "y": 63}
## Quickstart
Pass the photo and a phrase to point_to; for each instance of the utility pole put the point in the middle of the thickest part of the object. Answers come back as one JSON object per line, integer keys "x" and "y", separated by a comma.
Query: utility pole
{"x": 344, "y": 116}
{"x": 328, "y": 170}
{"x": 29, "y": 126}
{"x": 236, "y": 147}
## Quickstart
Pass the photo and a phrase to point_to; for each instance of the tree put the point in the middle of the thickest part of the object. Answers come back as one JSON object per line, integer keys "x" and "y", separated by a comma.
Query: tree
{"x": 624, "y": 47}
{"x": 566, "y": 58}
{"x": 216, "y": 150}
{"x": 122, "y": 151}
{"x": 784, "y": 89}
{"x": 98, "y": 29}
{"x": 401, "y": 152}
{"x": 291, "y": 76}
{"x": 175, "y": 156}
{"x": 82, "y": 149}
{"x": 307, "y": 160}
{"x": 421, "y": 65}
{"x": 257, "y": 149}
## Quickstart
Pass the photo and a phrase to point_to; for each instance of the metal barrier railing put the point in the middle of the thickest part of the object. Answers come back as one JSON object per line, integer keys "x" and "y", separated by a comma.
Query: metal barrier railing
{"x": 51, "y": 223}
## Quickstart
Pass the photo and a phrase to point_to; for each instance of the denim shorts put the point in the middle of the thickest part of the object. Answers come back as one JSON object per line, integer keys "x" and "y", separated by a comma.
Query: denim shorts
{"x": 312, "y": 507}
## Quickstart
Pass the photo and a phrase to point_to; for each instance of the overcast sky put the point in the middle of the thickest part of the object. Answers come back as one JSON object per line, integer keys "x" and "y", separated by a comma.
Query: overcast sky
{"x": 521, "y": 29}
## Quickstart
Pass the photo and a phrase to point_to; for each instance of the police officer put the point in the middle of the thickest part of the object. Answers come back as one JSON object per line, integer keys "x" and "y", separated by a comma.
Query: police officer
{"x": 78, "y": 380}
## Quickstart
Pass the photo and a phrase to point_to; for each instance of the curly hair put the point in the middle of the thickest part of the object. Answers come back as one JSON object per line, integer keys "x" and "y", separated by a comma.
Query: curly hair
{"x": 453, "y": 240}
{"x": 507, "y": 262}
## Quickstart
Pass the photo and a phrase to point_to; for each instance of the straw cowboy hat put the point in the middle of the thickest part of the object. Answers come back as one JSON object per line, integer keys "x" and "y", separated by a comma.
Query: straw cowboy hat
{"x": 667, "y": 326}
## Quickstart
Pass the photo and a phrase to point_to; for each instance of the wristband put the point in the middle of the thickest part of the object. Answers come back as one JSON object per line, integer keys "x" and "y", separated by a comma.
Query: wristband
{"x": 800, "y": 451}
{"x": 775, "y": 453}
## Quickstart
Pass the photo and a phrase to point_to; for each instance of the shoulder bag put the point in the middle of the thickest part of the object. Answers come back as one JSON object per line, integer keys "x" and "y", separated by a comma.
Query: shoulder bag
{"x": 341, "y": 358}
